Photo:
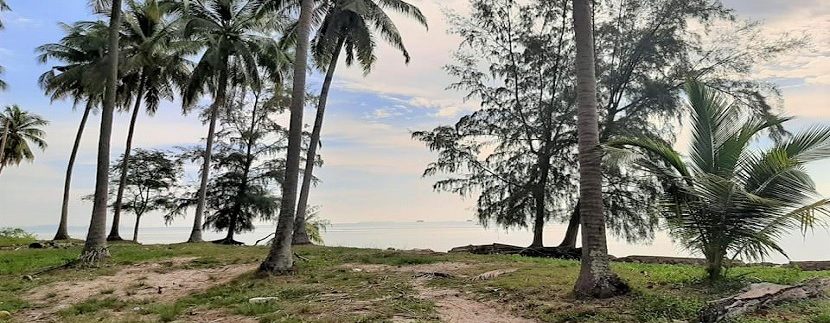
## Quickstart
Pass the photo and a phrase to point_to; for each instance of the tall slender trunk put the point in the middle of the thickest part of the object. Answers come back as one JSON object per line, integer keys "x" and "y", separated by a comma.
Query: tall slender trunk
{"x": 135, "y": 229}
{"x": 95, "y": 248}
{"x": 595, "y": 276}
{"x": 539, "y": 217}
{"x": 125, "y": 165}
{"x": 243, "y": 186}
{"x": 569, "y": 240}
{"x": 219, "y": 101}
{"x": 3, "y": 144}
{"x": 63, "y": 232}
{"x": 300, "y": 233}
{"x": 281, "y": 257}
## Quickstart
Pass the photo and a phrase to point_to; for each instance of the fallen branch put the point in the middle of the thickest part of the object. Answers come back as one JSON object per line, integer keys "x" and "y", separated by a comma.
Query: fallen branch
{"x": 761, "y": 295}
{"x": 301, "y": 257}
{"x": 504, "y": 249}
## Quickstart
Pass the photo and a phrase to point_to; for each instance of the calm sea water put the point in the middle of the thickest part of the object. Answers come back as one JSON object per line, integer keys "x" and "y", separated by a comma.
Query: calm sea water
{"x": 442, "y": 236}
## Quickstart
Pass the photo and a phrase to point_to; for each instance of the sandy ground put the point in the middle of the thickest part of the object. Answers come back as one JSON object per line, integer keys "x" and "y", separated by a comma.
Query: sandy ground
{"x": 452, "y": 305}
{"x": 147, "y": 281}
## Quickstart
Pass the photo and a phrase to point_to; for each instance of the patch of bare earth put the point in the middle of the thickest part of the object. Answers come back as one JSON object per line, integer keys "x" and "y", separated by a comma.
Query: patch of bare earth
{"x": 453, "y": 306}
{"x": 152, "y": 282}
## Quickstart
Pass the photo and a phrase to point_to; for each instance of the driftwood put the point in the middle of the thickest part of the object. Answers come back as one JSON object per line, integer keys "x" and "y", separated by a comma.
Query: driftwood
{"x": 504, "y": 249}
{"x": 761, "y": 295}
{"x": 494, "y": 273}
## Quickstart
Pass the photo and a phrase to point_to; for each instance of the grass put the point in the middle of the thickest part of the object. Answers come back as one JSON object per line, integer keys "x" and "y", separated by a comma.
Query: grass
{"x": 324, "y": 290}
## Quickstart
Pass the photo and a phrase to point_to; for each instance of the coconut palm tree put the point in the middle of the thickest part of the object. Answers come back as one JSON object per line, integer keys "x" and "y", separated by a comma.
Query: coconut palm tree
{"x": 20, "y": 130}
{"x": 95, "y": 247}
{"x": 156, "y": 63}
{"x": 595, "y": 276}
{"x": 83, "y": 54}
{"x": 725, "y": 199}
{"x": 347, "y": 24}
{"x": 3, "y": 7}
{"x": 280, "y": 257}
{"x": 225, "y": 29}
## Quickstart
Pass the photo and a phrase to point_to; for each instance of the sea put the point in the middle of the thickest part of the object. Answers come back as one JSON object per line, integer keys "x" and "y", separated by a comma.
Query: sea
{"x": 443, "y": 236}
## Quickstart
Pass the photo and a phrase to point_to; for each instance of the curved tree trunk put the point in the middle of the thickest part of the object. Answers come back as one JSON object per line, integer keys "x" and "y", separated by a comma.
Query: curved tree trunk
{"x": 595, "y": 276}
{"x": 125, "y": 166}
{"x": 281, "y": 258}
{"x": 63, "y": 232}
{"x": 300, "y": 233}
{"x": 135, "y": 229}
{"x": 219, "y": 101}
{"x": 95, "y": 247}
{"x": 573, "y": 229}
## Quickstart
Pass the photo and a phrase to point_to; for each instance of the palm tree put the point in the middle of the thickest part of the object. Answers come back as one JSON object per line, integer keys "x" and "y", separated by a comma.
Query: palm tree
{"x": 95, "y": 248}
{"x": 226, "y": 29}
{"x": 20, "y": 130}
{"x": 595, "y": 276}
{"x": 3, "y": 7}
{"x": 83, "y": 50}
{"x": 347, "y": 23}
{"x": 156, "y": 64}
{"x": 725, "y": 198}
{"x": 280, "y": 258}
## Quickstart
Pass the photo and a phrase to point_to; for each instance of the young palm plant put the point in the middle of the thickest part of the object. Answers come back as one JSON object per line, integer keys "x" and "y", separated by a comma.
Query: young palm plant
{"x": 224, "y": 29}
{"x": 82, "y": 53}
{"x": 20, "y": 130}
{"x": 349, "y": 25}
{"x": 155, "y": 63}
{"x": 726, "y": 199}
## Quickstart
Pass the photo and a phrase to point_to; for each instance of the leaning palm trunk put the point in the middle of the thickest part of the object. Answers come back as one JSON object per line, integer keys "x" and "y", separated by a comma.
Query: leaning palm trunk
{"x": 595, "y": 276}
{"x": 95, "y": 248}
{"x": 280, "y": 258}
{"x": 3, "y": 144}
{"x": 219, "y": 102}
{"x": 573, "y": 229}
{"x": 300, "y": 234}
{"x": 63, "y": 232}
{"x": 125, "y": 166}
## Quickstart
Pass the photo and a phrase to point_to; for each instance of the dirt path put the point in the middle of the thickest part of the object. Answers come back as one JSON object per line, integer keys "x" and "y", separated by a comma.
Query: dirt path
{"x": 452, "y": 305}
{"x": 153, "y": 282}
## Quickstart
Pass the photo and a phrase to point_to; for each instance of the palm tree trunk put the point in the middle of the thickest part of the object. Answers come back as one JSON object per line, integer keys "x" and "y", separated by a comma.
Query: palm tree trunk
{"x": 116, "y": 218}
{"x": 135, "y": 229}
{"x": 3, "y": 144}
{"x": 63, "y": 232}
{"x": 95, "y": 248}
{"x": 595, "y": 276}
{"x": 219, "y": 101}
{"x": 281, "y": 258}
{"x": 569, "y": 240}
{"x": 300, "y": 234}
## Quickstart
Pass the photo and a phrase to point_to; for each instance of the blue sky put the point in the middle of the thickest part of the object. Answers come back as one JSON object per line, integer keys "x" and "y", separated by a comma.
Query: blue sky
{"x": 372, "y": 169}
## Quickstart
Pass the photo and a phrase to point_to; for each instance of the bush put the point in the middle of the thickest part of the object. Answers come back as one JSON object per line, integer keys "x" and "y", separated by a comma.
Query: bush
{"x": 15, "y": 237}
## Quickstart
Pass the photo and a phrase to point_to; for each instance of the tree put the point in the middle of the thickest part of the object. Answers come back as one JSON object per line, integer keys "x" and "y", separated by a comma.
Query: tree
{"x": 151, "y": 183}
{"x": 224, "y": 29}
{"x": 95, "y": 247}
{"x": 516, "y": 63}
{"x": 20, "y": 130}
{"x": 347, "y": 23}
{"x": 245, "y": 165}
{"x": 726, "y": 198}
{"x": 595, "y": 276}
{"x": 156, "y": 63}
{"x": 281, "y": 258}
{"x": 82, "y": 52}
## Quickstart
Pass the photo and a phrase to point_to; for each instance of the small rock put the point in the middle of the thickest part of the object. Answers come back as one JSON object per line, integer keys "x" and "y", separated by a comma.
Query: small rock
{"x": 357, "y": 270}
{"x": 136, "y": 309}
{"x": 262, "y": 300}
{"x": 4, "y": 315}
{"x": 28, "y": 277}
{"x": 36, "y": 245}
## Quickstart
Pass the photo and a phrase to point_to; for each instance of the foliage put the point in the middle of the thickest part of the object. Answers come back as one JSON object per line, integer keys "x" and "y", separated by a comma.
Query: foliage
{"x": 516, "y": 62}
{"x": 315, "y": 225}
{"x": 727, "y": 199}
{"x": 21, "y": 130}
{"x": 15, "y": 236}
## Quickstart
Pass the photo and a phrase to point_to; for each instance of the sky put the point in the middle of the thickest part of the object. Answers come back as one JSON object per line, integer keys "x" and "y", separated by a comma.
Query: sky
{"x": 372, "y": 169}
